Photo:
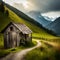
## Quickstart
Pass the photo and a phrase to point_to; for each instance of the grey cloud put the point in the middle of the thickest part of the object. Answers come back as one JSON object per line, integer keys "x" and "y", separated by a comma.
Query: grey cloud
{"x": 46, "y": 5}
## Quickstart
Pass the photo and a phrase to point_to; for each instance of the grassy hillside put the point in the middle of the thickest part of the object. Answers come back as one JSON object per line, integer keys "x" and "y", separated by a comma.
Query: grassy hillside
{"x": 37, "y": 31}
{"x": 4, "y": 20}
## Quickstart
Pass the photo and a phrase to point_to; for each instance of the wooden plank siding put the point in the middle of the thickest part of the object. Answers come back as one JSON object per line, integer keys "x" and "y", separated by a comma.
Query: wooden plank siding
{"x": 13, "y": 37}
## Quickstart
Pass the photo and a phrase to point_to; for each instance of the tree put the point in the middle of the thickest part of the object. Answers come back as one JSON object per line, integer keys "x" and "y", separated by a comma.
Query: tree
{"x": 2, "y": 9}
{"x": 7, "y": 12}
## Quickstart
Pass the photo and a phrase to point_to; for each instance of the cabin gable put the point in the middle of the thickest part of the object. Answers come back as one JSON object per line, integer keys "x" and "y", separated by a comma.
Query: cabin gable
{"x": 11, "y": 27}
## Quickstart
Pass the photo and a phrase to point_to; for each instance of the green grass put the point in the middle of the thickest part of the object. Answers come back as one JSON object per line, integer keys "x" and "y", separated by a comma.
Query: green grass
{"x": 43, "y": 53}
{"x": 43, "y": 35}
{"x": 4, "y": 20}
{"x": 1, "y": 42}
{"x": 4, "y": 52}
{"x": 31, "y": 44}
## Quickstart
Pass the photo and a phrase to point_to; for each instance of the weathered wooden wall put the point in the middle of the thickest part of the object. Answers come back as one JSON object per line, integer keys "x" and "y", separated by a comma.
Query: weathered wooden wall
{"x": 12, "y": 38}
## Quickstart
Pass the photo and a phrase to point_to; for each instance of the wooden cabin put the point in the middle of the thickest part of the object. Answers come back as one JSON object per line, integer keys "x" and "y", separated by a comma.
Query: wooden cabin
{"x": 16, "y": 34}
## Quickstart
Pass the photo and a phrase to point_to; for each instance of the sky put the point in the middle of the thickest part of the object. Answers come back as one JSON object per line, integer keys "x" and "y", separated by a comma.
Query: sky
{"x": 46, "y": 7}
{"x": 23, "y": 5}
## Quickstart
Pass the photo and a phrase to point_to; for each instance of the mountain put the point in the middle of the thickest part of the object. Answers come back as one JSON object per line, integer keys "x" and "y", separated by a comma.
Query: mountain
{"x": 47, "y": 18}
{"x": 55, "y": 26}
{"x": 50, "y": 18}
{"x": 39, "y": 18}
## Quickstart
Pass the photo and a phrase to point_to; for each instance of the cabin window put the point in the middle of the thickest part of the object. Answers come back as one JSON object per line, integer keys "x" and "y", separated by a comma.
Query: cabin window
{"x": 11, "y": 28}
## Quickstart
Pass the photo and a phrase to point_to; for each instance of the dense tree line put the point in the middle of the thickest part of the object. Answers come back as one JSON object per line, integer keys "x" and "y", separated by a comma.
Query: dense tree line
{"x": 50, "y": 31}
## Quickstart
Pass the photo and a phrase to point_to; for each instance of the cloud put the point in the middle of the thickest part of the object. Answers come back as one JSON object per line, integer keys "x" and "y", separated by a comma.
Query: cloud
{"x": 46, "y": 5}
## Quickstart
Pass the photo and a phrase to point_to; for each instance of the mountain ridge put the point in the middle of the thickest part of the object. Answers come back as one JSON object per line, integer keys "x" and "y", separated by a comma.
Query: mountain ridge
{"x": 36, "y": 15}
{"x": 55, "y": 26}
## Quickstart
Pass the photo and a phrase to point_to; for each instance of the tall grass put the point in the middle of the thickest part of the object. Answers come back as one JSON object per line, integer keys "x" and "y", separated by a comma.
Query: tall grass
{"x": 43, "y": 53}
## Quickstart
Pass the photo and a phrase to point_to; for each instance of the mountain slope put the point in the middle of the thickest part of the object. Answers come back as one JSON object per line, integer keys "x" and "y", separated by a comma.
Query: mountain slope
{"x": 47, "y": 18}
{"x": 39, "y": 18}
{"x": 55, "y": 26}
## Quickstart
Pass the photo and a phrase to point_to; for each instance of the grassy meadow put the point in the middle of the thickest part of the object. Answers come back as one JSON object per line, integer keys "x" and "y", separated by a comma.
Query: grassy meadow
{"x": 44, "y": 52}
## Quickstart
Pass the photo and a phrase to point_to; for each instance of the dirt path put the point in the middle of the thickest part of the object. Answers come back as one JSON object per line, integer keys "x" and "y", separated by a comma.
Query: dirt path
{"x": 53, "y": 44}
{"x": 20, "y": 55}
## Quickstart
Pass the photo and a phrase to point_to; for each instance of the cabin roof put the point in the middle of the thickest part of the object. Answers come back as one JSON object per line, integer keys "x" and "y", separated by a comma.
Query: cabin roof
{"x": 22, "y": 27}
